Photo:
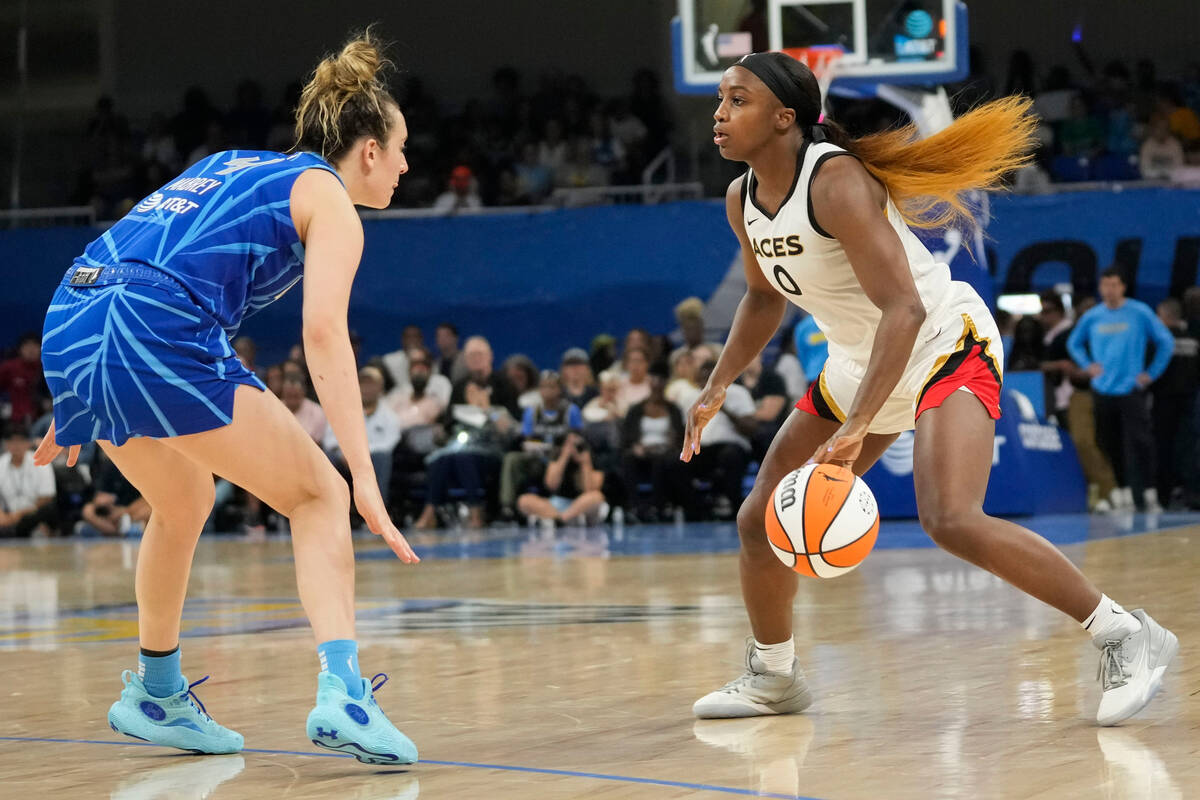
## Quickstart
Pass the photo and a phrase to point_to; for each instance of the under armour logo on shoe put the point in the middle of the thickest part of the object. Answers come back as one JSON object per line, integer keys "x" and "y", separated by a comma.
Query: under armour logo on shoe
{"x": 330, "y": 734}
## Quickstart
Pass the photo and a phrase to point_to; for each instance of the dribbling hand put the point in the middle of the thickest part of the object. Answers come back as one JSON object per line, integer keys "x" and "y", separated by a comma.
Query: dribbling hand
{"x": 49, "y": 449}
{"x": 707, "y": 405}
{"x": 843, "y": 447}
{"x": 371, "y": 508}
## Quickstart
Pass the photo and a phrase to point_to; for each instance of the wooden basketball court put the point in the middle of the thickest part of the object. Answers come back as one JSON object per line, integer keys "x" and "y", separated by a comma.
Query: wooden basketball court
{"x": 528, "y": 665}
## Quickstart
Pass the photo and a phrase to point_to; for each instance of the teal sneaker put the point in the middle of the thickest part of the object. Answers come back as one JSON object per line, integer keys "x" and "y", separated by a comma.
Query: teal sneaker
{"x": 176, "y": 721}
{"x": 357, "y": 727}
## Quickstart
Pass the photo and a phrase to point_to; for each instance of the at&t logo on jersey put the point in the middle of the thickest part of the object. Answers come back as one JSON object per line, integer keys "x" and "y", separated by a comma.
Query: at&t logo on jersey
{"x": 150, "y": 203}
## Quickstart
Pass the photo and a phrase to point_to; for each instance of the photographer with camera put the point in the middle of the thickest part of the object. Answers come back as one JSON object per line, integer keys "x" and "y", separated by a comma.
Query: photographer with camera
{"x": 570, "y": 491}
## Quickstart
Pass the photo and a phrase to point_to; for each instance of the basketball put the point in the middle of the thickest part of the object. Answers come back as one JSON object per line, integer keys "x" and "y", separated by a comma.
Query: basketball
{"x": 822, "y": 520}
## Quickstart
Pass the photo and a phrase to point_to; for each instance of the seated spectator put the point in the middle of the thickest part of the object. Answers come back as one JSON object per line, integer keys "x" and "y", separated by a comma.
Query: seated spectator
{"x": 116, "y": 508}
{"x": 635, "y": 383}
{"x": 21, "y": 379}
{"x": 542, "y": 426}
{"x": 552, "y": 150}
{"x": 604, "y": 407}
{"x": 307, "y": 412}
{"x": 530, "y": 181}
{"x": 689, "y": 314}
{"x": 724, "y": 444}
{"x": 274, "y": 379}
{"x": 477, "y": 355}
{"x": 1161, "y": 153}
{"x": 651, "y": 439}
{"x": 383, "y": 429}
{"x": 682, "y": 364}
{"x": 570, "y": 491}
{"x": 426, "y": 394}
{"x": 522, "y": 375}
{"x": 247, "y": 352}
{"x": 603, "y": 352}
{"x": 462, "y": 193}
{"x": 396, "y": 362}
{"x": 771, "y": 406}
{"x": 580, "y": 171}
{"x": 27, "y": 491}
{"x": 1183, "y": 121}
{"x": 450, "y": 363}
{"x": 1081, "y": 135}
{"x": 479, "y": 434}
{"x": 579, "y": 387}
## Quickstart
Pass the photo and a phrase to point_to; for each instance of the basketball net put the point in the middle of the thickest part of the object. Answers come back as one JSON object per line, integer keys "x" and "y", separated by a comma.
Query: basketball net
{"x": 823, "y": 61}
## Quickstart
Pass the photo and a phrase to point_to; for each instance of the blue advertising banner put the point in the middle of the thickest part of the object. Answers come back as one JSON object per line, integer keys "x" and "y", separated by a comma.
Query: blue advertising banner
{"x": 539, "y": 283}
{"x": 1027, "y": 456}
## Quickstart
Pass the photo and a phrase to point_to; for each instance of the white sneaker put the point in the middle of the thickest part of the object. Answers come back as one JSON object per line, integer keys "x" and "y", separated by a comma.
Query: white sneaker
{"x": 757, "y": 692}
{"x": 1131, "y": 669}
{"x": 1150, "y": 498}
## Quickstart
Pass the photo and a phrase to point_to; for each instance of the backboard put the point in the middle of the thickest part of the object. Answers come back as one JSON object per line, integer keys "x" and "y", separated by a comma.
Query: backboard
{"x": 899, "y": 42}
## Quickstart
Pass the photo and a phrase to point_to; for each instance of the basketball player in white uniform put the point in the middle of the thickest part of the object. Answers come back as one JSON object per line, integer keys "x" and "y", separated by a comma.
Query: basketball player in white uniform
{"x": 820, "y": 225}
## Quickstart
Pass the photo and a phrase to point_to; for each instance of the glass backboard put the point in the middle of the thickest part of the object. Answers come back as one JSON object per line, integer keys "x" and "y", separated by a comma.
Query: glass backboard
{"x": 885, "y": 41}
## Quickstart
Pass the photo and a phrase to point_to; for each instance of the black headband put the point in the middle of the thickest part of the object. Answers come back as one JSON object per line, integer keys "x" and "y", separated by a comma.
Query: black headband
{"x": 768, "y": 70}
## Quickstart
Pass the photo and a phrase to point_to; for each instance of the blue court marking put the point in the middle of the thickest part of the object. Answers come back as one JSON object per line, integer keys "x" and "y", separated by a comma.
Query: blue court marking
{"x": 600, "y": 776}
{"x": 718, "y": 537}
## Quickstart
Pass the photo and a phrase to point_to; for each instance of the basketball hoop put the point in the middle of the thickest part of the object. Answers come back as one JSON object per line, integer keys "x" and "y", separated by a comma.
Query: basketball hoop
{"x": 823, "y": 61}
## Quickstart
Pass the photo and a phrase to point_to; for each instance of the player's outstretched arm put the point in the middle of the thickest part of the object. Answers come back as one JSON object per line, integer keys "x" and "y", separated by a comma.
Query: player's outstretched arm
{"x": 333, "y": 240}
{"x": 758, "y": 316}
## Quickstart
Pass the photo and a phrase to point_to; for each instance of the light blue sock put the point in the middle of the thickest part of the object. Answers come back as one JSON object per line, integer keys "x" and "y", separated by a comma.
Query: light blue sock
{"x": 160, "y": 672}
{"x": 340, "y": 657}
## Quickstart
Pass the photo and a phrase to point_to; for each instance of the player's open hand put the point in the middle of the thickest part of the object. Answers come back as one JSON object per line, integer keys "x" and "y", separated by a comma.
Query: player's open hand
{"x": 844, "y": 447}
{"x": 702, "y": 411}
{"x": 49, "y": 449}
{"x": 371, "y": 508}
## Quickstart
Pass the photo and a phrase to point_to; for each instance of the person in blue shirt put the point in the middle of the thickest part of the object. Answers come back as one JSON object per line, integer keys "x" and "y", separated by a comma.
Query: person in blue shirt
{"x": 811, "y": 347}
{"x": 1109, "y": 342}
{"x": 137, "y": 354}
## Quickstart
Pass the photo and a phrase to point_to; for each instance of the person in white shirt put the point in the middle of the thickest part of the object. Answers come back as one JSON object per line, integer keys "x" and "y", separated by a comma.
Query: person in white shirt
{"x": 1161, "y": 153}
{"x": 425, "y": 396}
{"x": 26, "y": 490}
{"x": 725, "y": 439}
{"x": 635, "y": 383}
{"x": 383, "y": 429}
{"x": 462, "y": 193}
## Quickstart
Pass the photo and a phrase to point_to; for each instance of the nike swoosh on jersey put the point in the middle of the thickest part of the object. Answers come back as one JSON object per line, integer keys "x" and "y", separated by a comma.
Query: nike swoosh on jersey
{"x": 751, "y": 222}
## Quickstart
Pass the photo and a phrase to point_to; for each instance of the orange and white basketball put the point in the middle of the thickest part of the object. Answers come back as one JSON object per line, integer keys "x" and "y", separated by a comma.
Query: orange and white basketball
{"x": 822, "y": 520}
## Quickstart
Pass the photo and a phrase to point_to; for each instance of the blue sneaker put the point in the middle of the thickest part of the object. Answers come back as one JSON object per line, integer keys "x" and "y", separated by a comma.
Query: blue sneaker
{"x": 357, "y": 727}
{"x": 176, "y": 721}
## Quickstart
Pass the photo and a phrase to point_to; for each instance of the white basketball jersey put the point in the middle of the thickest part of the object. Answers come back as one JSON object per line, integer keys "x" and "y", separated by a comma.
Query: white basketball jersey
{"x": 811, "y": 269}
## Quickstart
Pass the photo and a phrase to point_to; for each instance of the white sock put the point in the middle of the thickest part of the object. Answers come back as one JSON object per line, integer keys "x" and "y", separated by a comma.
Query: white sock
{"x": 776, "y": 657}
{"x": 1110, "y": 622}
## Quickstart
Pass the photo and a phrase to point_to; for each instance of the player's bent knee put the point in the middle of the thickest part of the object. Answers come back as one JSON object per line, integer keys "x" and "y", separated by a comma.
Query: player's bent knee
{"x": 949, "y": 527}
{"x": 188, "y": 508}
{"x": 752, "y": 529}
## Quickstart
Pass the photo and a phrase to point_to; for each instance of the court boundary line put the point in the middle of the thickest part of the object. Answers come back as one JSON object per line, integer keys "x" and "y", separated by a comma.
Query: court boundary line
{"x": 469, "y": 764}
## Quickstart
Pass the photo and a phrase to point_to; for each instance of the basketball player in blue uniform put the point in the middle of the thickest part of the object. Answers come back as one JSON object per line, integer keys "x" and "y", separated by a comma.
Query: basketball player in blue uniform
{"x": 137, "y": 353}
{"x": 909, "y": 348}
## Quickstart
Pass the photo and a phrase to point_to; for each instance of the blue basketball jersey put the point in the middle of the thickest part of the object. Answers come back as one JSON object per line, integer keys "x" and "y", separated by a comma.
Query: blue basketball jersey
{"x": 222, "y": 229}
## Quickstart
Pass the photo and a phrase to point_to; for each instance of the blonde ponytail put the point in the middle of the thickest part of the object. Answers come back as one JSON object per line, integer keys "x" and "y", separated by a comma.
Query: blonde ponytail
{"x": 927, "y": 177}
{"x": 345, "y": 100}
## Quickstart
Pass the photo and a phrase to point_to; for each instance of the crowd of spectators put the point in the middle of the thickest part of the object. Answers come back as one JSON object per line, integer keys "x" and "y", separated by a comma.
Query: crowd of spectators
{"x": 456, "y": 438}
{"x": 459, "y": 439}
{"x": 1114, "y": 123}
{"x": 513, "y": 147}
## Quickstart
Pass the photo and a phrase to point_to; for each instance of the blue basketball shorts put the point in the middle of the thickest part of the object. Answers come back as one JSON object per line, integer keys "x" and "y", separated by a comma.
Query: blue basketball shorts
{"x": 135, "y": 356}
